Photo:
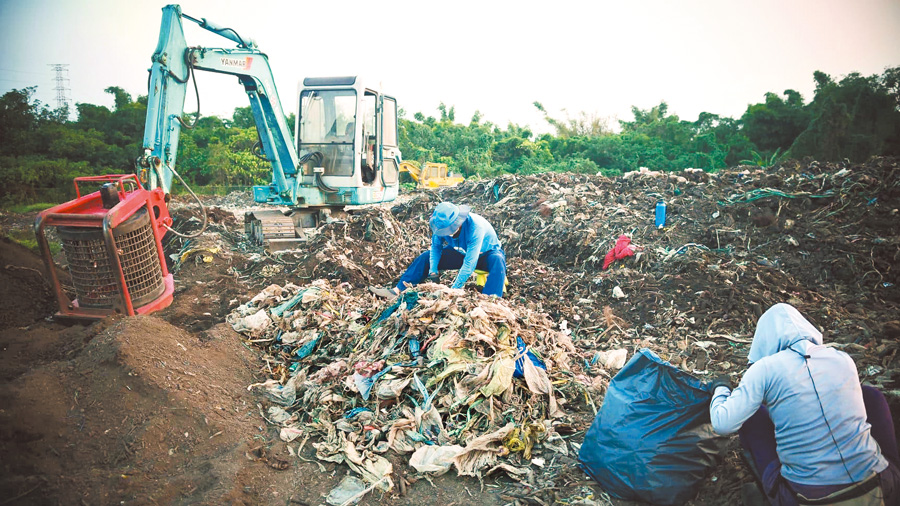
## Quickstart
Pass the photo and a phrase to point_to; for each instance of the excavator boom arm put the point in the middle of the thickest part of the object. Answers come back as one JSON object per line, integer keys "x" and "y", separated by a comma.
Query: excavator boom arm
{"x": 173, "y": 65}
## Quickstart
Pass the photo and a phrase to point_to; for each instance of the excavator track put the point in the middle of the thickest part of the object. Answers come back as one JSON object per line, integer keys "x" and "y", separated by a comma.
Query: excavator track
{"x": 273, "y": 229}
{"x": 279, "y": 230}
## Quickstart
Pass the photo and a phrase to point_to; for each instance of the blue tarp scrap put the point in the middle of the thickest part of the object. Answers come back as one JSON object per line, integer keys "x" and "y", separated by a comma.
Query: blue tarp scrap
{"x": 523, "y": 352}
{"x": 409, "y": 297}
{"x": 304, "y": 351}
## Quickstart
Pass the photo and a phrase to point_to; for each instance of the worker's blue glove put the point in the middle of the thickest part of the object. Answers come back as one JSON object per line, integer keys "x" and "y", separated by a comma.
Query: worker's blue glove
{"x": 723, "y": 380}
{"x": 434, "y": 277}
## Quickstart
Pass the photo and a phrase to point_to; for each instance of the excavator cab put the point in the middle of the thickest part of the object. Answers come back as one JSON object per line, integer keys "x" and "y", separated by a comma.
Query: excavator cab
{"x": 348, "y": 154}
{"x": 347, "y": 138}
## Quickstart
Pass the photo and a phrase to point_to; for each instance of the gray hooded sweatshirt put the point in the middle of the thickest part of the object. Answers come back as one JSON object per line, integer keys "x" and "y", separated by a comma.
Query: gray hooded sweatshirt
{"x": 786, "y": 349}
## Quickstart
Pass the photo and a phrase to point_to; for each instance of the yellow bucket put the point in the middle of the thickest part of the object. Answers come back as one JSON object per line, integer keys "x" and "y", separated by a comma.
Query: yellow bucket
{"x": 481, "y": 279}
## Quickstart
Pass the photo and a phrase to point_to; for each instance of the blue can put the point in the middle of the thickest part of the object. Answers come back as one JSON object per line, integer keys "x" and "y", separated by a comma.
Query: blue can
{"x": 660, "y": 214}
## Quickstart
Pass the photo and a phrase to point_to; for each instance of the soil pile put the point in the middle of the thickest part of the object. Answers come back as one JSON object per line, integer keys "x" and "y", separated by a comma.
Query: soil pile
{"x": 140, "y": 410}
{"x": 24, "y": 290}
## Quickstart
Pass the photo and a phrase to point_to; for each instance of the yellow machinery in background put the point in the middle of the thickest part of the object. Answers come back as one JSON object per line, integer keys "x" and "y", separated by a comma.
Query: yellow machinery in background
{"x": 432, "y": 175}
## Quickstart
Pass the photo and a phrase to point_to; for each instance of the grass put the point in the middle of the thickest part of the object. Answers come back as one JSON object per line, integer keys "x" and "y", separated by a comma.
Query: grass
{"x": 30, "y": 208}
{"x": 760, "y": 160}
{"x": 27, "y": 239}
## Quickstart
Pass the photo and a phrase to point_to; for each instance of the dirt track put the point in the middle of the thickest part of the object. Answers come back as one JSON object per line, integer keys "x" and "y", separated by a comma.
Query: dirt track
{"x": 155, "y": 410}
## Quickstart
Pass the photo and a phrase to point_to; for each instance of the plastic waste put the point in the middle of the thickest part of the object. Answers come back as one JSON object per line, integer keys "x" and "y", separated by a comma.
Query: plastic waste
{"x": 434, "y": 459}
{"x": 409, "y": 298}
{"x": 347, "y": 489}
{"x": 364, "y": 384}
{"x": 481, "y": 452}
{"x": 524, "y": 352}
{"x": 288, "y": 434}
{"x": 282, "y": 394}
{"x": 304, "y": 351}
{"x": 254, "y": 324}
{"x": 652, "y": 440}
{"x": 611, "y": 359}
{"x": 660, "y": 214}
{"x": 415, "y": 351}
{"x": 391, "y": 389}
{"x": 366, "y": 380}
{"x": 278, "y": 414}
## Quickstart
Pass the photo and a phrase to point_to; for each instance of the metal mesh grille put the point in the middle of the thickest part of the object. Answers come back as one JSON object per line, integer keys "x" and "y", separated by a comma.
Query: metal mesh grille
{"x": 92, "y": 274}
{"x": 140, "y": 263}
{"x": 95, "y": 285}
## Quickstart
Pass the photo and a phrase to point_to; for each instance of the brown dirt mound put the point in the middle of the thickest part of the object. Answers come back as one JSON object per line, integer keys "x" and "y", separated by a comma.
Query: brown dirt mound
{"x": 24, "y": 289}
{"x": 143, "y": 412}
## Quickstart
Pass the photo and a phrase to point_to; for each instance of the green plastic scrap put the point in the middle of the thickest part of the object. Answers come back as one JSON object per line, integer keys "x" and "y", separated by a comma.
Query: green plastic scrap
{"x": 761, "y": 193}
{"x": 410, "y": 298}
{"x": 290, "y": 303}
{"x": 426, "y": 402}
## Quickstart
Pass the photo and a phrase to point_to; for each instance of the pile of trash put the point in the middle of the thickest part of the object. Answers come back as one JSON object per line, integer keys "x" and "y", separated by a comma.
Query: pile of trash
{"x": 448, "y": 377}
{"x": 819, "y": 236}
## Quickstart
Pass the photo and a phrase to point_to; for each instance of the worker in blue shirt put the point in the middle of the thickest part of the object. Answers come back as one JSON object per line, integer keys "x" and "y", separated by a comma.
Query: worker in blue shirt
{"x": 810, "y": 430}
{"x": 460, "y": 239}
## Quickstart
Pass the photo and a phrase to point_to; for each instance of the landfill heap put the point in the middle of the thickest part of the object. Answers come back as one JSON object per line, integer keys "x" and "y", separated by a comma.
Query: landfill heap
{"x": 441, "y": 375}
{"x": 820, "y": 236}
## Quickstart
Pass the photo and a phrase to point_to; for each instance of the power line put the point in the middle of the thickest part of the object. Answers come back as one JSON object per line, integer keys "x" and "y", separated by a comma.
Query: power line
{"x": 19, "y": 80}
{"x": 62, "y": 78}
{"x": 23, "y": 71}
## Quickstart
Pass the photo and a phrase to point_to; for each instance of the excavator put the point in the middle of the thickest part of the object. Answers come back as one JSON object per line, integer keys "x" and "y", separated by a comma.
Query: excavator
{"x": 343, "y": 152}
{"x": 346, "y": 150}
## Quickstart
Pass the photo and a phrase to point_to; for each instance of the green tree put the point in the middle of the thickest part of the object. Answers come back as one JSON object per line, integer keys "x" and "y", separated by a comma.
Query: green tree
{"x": 121, "y": 97}
{"x": 583, "y": 125}
{"x": 17, "y": 119}
{"x": 776, "y": 123}
{"x": 243, "y": 118}
{"x": 854, "y": 118}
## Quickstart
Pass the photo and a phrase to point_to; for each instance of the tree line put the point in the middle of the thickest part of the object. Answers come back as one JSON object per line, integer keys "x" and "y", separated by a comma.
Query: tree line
{"x": 855, "y": 117}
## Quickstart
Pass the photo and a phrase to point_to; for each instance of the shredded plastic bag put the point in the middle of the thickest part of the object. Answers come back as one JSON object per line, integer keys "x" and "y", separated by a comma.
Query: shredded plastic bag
{"x": 652, "y": 440}
{"x": 350, "y": 490}
{"x": 434, "y": 459}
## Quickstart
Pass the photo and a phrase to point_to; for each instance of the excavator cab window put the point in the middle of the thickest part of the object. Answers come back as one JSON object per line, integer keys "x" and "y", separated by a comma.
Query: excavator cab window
{"x": 369, "y": 162}
{"x": 327, "y": 125}
{"x": 389, "y": 164}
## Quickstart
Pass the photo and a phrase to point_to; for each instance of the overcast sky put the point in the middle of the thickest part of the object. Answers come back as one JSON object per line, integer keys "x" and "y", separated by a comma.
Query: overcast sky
{"x": 497, "y": 57}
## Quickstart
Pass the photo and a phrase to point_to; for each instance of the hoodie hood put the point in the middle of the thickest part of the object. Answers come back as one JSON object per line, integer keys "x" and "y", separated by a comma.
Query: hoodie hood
{"x": 778, "y": 329}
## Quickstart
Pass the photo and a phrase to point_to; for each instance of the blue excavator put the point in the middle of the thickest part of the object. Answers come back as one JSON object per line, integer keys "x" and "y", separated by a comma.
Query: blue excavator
{"x": 343, "y": 152}
{"x": 344, "y": 148}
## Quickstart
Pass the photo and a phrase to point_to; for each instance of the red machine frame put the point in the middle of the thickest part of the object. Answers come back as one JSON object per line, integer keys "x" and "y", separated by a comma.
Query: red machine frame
{"x": 88, "y": 212}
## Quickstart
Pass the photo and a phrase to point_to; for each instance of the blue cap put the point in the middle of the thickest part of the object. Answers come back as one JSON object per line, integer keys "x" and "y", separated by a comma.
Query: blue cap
{"x": 447, "y": 218}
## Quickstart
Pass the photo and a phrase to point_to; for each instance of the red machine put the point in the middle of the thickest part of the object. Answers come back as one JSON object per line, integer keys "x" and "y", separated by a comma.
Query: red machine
{"x": 112, "y": 239}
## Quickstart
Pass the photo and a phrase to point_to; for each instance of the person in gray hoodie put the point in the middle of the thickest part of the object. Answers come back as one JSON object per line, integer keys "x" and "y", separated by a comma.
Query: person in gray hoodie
{"x": 812, "y": 433}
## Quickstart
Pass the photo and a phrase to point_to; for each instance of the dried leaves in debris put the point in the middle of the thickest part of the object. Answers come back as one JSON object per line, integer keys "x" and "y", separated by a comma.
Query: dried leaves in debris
{"x": 436, "y": 367}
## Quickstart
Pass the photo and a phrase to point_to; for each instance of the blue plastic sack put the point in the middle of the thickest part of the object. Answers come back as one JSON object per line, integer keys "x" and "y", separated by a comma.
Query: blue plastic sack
{"x": 652, "y": 440}
{"x": 524, "y": 352}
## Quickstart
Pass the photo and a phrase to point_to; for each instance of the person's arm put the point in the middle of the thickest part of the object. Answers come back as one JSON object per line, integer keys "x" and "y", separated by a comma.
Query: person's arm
{"x": 473, "y": 251}
{"x": 435, "y": 256}
{"x": 729, "y": 409}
